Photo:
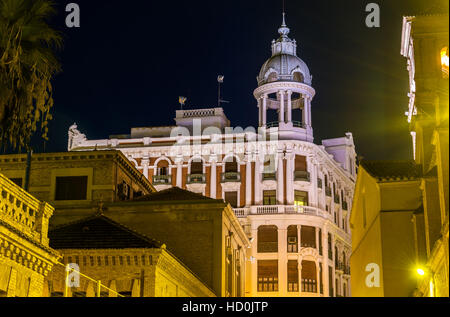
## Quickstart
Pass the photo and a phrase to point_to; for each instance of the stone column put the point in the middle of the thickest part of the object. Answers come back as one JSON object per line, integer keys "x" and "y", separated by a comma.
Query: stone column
{"x": 264, "y": 110}
{"x": 179, "y": 172}
{"x": 326, "y": 281}
{"x": 317, "y": 276}
{"x": 281, "y": 110}
{"x": 282, "y": 261}
{"x": 289, "y": 106}
{"x": 257, "y": 181}
{"x": 305, "y": 112}
{"x": 290, "y": 178}
{"x": 212, "y": 189}
{"x": 260, "y": 111}
{"x": 145, "y": 162}
{"x": 248, "y": 181}
{"x": 280, "y": 178}
{"x": 299, "y": 229}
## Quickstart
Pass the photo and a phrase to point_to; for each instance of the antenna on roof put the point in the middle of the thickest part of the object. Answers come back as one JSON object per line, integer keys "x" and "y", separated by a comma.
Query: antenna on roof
{"x": 220, "y": 79}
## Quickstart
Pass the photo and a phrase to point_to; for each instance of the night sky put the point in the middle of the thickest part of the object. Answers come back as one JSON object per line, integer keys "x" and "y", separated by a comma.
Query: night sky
{"x": 130, "y": 60}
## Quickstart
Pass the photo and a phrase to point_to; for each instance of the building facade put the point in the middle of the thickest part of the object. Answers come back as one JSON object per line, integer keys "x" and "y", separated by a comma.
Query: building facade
{"x": 425, "y": 46}
{"x": 400, "y": 212}
{"x": 126, "y": 262}
{"x": 25, "y": 256}
{"x": 203, "y": 233}
{"x": 292, "y": 196}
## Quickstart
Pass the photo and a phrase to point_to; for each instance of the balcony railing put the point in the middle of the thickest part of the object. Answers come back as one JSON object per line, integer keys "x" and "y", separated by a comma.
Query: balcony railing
{"x": 328, "y": 191}
{"x": 231, "y": 177}
{"x": 196, "y": 179}
{"x": 281, "y": 209}
{"x": 24, "y": 212}
{"x": 162, "y": 179}
{"x": 269, "y": 176}
{"x": 301, "y": 176}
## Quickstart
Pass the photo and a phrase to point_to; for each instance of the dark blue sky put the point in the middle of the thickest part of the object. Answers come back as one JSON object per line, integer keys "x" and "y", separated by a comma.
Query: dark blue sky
{"x": 130, "y": 60}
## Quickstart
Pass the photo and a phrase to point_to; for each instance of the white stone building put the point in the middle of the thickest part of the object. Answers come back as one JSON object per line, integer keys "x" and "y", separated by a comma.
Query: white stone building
{"x": 291, "y": 195}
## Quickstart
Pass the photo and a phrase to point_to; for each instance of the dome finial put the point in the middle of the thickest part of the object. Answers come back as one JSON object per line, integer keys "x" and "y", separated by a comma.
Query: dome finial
{"x": 283, "y": 30}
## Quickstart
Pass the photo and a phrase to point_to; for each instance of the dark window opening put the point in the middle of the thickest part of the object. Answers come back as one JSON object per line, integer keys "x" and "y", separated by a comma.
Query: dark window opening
{"x": 71, "y": 188}
{"x": 267, "y": 239}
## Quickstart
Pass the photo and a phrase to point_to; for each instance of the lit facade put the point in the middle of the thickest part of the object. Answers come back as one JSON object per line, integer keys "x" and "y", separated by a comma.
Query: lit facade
{"x": 292, "y": 196}
{"x": 425, "y": 47}
{"x": 25, "y": 256}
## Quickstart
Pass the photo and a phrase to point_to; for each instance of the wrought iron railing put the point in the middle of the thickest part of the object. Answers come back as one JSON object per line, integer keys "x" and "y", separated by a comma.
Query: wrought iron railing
{"x": 196, "y": 179}
{"x": 301, "y": 176}
{"x": 162, "y": 179}
{"x": 269, "y": 176}
{"x": 231, "y": 177}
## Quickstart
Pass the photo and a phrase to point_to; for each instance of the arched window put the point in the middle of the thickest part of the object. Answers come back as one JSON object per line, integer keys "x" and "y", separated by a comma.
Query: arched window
{"x": 162, "y": 169}
{"x": 299, "y": 77}
{"x": 273, "y": 76}
{"x": 267, "y": 239}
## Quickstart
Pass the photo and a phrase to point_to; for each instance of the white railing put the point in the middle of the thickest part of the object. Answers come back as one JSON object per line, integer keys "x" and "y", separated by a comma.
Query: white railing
{"x": 281, "y": 209}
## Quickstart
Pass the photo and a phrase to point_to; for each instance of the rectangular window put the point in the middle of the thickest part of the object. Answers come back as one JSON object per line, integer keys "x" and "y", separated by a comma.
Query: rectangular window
{"x": 71, "y": 188}
{"x": 270, "y": 197}
{"x": 292, "y": 276}
{"x": 231, "y": 198}
{"x": 267, "y": 275}
{"x": 300, "y": 198}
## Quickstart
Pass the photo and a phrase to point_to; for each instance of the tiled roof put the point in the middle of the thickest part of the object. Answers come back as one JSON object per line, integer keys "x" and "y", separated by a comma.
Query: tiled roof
{"x": 98, "y": 232}
{"x": 174, "y": 194}
{"x": 392, "y": 170}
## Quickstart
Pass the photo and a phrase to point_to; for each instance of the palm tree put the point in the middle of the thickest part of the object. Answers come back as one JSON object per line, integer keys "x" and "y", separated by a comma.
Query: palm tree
{"x": 27, "y": 64}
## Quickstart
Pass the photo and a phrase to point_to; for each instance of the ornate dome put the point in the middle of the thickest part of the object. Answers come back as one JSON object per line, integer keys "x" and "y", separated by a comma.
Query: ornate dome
{"x": 284, "y": 65}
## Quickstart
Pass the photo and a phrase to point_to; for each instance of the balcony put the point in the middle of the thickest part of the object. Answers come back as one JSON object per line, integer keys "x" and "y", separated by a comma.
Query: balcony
{"x": 231, "y": 177}
{"x": 162, "y": 179}
{"x": 301, "y": 176}
{"x": 328, "y": 191}
{"x": 24, "y": 212}
{"x": 281, "y": 209}
{"x": 269, "y": 176}
{"x": 196, "y": 179}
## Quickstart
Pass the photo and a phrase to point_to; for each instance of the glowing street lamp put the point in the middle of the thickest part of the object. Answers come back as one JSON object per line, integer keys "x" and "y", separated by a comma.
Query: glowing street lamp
{"x": 420, "y": 271}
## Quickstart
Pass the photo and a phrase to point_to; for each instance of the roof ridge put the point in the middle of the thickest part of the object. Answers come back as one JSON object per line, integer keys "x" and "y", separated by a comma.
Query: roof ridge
{"x": 112, "y": 222}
